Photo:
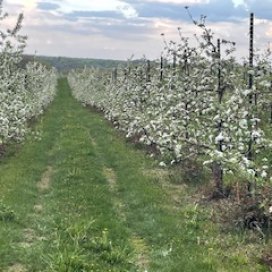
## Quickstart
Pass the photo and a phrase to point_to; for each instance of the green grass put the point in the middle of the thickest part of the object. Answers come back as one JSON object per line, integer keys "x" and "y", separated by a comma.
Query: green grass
{"x": 83, "y": 199}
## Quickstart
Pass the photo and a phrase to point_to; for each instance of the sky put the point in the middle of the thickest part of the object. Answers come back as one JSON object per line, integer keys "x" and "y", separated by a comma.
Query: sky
{"x": 121, "y": 29}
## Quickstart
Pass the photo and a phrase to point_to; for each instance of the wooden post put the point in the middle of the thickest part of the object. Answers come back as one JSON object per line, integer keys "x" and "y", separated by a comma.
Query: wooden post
{"x": 148, "y": 71}
{"x": 245, "y": 74}
{"x": 174, "y": 62}
{"x": 161, "y": 70}
{"x": 125, "y": 75}
{"x": 251, "y": 184}
{"x": 220, "y": 91}
{"x": 251, "y": 55}
{"x": 271, "y": 91}
{"x": 186, "y": 66}
{"x": 250, "y": 76}
{"x": 114, "y": 75}
{"x": 217, "y": 167}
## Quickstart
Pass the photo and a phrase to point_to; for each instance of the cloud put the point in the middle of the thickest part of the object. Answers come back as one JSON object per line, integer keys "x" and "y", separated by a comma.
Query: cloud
{"x": 132, "y": 31}
{"x": 48, "y": 6}
{"x": 269, "y": 32}
{"x": 69, "y": 6}
{"x": 180, "y": 2}
{"x": 119, "y": 28}
{"x": 89, "y": 44}
{"x": 93, "y": 14}
{"x": 111, "y": 24}
{"x": 215, "y": 10}
{"x": 26, "y": 4}
{"x": 262, "y": 9}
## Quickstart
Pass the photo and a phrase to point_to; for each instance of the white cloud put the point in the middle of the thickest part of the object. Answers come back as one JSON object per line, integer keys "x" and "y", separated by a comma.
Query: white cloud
{"x": 182, "y": 2}
{"x": 238, "y": 2}
{"x": 268, "y": 32}
{"x": 27, "y": 4}
{"x": 89, "y": 5}
{"x": 102, "y": 5}
{"x": 68, "y": 6}
{"x": 51, "y": 33}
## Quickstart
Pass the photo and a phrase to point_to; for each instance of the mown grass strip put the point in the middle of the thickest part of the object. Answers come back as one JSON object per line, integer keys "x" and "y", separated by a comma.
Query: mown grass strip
{"x": 58, "y": 193}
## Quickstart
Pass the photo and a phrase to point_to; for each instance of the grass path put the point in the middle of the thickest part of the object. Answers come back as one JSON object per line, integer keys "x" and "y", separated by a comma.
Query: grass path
{"x": 81, "y": 199}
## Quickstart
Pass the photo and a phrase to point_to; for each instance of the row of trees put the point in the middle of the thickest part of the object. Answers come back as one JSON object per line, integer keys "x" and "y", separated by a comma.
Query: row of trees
{"x": 24, "y": 92}
{"x": 195, "y": 103}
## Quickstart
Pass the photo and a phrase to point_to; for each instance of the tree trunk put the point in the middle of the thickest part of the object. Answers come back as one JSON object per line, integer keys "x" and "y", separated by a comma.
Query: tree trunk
{"x": 217, "y": 173}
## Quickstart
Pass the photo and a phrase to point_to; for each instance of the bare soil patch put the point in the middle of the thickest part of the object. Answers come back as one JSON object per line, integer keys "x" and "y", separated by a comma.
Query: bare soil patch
{"x": 142, "y": 259}
{"x": 111, "y": 177}
{"x": 44, "y": 183}
{"x": 16, "y": 268}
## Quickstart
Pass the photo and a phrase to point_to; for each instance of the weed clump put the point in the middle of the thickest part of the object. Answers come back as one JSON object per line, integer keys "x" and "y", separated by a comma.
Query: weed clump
{"x": 102, "y": 247}
{"x": 79, "y": 249}
{"x": 255, "y": 214}
{"x": 6, "y": 213}
{"x": 245, "y": 211}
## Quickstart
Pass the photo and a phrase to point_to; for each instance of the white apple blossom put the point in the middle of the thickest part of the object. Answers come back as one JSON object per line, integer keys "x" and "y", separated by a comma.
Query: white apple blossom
{"x": 181, "y": 113}
{"x": 24, "y": 92}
